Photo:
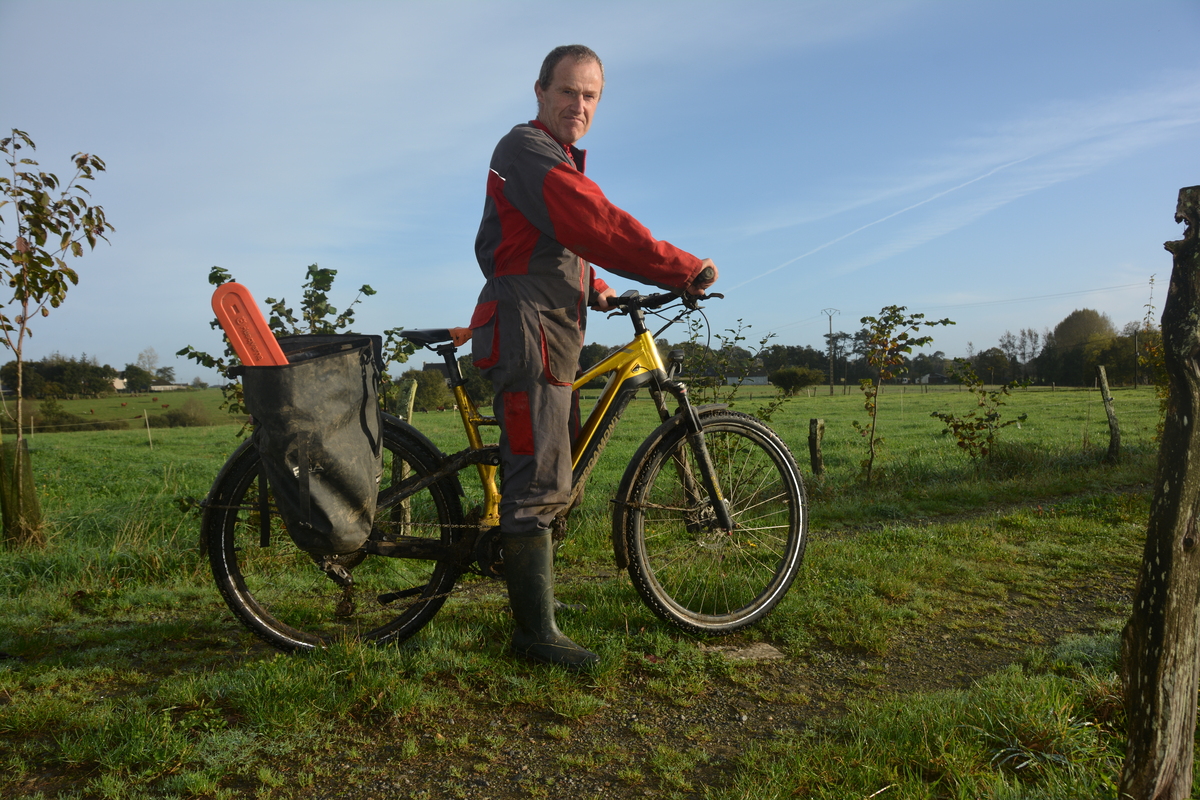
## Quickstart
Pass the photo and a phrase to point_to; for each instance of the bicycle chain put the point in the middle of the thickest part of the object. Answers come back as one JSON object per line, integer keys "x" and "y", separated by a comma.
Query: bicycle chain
{"x": 344, "y": 580}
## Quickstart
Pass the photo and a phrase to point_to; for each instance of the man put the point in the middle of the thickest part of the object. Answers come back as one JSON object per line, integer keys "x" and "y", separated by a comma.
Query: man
{"x": 541, "y": 219}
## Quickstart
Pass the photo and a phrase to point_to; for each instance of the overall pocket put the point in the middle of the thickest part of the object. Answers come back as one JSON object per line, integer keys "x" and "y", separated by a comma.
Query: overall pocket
{"x": 485, "y": 335}
{"x": 561, "y": 341}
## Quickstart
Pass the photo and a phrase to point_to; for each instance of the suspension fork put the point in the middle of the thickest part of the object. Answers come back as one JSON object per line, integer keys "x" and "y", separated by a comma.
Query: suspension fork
{"x": 709, "y": 482}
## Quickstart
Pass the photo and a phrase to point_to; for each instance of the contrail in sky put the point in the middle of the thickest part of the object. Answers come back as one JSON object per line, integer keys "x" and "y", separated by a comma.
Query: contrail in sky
{"x": 832, "y": 242}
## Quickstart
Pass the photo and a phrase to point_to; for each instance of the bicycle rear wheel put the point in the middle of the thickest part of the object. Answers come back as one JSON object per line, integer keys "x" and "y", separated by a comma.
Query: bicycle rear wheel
{"x": 278, "y": 591}
{"x": 689, "y": 571}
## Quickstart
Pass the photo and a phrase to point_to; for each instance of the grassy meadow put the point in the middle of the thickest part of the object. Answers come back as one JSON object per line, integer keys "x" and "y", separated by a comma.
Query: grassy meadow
{"x": 123, "y": 675}
{"x": 132, "y": 408}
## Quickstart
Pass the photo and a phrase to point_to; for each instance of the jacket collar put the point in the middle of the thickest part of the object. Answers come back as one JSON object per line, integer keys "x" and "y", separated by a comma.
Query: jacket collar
{"x": 577, "y": 155}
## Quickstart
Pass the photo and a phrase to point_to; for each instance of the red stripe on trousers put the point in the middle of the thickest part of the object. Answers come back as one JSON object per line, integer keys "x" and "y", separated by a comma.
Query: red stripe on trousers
{"x": 518, "y": 425}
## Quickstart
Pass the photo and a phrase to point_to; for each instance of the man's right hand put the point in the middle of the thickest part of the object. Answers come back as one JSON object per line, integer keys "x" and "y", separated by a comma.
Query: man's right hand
{"x": 706, "y": 278}
{"x": 604, "y": 300}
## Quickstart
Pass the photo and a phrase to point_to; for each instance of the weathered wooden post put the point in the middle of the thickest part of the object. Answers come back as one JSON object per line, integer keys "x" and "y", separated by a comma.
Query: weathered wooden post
{"x": 1160, "y": 664}
{"x": 816, "y": 432}
{"x": 409, "y": 399}
{"x": 1114, "y": 428}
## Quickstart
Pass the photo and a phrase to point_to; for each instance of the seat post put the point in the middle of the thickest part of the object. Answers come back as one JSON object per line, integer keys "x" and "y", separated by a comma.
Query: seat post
{"x": 448, "y": 352}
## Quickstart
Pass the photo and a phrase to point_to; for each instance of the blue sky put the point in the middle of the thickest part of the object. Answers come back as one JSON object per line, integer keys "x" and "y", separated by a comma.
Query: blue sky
{"x": 998, "y": 163}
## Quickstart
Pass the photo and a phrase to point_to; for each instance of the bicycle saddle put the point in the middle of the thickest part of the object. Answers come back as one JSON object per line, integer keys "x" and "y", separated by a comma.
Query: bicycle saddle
{"x": 427, "y": 335}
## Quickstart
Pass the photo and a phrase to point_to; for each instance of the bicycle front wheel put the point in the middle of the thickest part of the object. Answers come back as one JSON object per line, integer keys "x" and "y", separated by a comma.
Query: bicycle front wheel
{"x": 277, "y": 590}
{"x": 689, "y": 571}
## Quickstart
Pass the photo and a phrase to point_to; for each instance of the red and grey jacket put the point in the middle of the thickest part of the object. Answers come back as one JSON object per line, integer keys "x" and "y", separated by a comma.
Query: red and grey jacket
{"x": 543, "y": 220}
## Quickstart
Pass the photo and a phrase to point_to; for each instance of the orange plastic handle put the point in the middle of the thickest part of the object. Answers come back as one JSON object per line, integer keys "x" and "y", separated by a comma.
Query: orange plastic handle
{"x": 245, "y": 326}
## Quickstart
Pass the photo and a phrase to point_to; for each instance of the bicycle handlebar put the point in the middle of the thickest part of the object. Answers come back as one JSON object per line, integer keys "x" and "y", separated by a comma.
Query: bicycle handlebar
{"x": 634, "y": 299}
{"x": 627, "y": 302}
{"x": 705, "y": 277}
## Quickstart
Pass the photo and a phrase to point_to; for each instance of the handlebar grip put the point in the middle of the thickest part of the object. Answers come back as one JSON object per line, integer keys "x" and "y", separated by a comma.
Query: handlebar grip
{"x": 706, "y": 276}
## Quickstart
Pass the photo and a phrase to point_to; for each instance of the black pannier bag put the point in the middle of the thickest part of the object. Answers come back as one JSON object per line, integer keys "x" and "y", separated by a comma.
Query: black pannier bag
{"x": 318, "y": 430}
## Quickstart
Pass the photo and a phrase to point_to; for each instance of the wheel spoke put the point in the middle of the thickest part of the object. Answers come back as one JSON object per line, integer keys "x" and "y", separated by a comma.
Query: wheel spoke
{"x": 281, "y": 594}
{"x": 690, "y": 572}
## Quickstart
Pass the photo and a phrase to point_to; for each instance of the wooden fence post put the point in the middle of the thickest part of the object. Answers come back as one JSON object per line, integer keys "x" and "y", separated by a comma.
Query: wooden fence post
{"x": 1114, "y": 429}
{"x": 816, "y": 432}
{"x": 410, "y": 397}
{"x": 1159, "y": 665}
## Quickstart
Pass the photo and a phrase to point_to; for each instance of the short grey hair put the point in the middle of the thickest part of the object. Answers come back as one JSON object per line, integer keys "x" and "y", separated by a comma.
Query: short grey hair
{"x": 578, "y": 52}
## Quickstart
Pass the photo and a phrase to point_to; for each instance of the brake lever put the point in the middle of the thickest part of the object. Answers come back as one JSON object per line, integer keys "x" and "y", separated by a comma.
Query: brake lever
{"x": 692, "y": 301}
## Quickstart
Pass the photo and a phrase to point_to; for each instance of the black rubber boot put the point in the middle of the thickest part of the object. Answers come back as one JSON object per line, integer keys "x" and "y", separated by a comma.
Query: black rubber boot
{"x": 529, "y": 571}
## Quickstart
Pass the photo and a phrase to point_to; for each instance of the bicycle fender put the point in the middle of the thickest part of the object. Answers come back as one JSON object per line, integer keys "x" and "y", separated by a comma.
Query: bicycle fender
{"x": 625, "y": 488}
{"x": 211, "y": 499}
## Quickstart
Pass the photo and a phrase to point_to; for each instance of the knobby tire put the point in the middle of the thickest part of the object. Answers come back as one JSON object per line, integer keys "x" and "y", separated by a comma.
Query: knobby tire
{"x": 280, "y": 594}
{"x": 687, "y": 570}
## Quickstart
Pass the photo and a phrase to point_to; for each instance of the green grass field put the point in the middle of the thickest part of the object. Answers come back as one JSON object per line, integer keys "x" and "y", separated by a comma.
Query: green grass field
{"x": 130, "y": 408}
{"x": 122, "y": 674}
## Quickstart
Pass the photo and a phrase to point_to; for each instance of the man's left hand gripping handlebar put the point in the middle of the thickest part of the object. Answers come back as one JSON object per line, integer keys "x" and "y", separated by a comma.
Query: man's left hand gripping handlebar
{"x": 706, "y": 278}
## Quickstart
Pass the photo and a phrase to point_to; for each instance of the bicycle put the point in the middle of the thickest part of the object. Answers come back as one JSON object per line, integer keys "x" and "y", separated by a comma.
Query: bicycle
{"x": 710, "y": 518}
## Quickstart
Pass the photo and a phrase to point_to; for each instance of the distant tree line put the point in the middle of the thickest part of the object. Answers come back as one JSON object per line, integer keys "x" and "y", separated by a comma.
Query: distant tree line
{"x": 1069, "y": 354}
{"x": 1087, "y": 339}
{"x": 1066, "y": 355}
{"x": 61, "y": 376}
{"x": 66, "y": 377}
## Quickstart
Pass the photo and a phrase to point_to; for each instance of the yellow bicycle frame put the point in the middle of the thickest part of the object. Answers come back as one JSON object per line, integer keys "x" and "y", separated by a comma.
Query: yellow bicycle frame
{"x": 639, "y": 357}
{"x": 636, "y": 358}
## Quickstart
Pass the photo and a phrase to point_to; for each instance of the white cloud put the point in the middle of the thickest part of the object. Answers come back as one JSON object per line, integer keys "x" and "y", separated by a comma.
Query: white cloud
{"x": 1024, "y": 156}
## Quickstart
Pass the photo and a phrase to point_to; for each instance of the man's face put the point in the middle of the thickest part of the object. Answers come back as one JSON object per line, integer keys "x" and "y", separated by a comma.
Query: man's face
{"x": 566, "y": 107}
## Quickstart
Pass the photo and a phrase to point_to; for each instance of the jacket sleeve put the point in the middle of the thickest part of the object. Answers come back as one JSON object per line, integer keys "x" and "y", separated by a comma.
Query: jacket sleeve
{"x": 570, "y": 208}
{"x": 587, "y": 224}
{"x": 597, "y": 283}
